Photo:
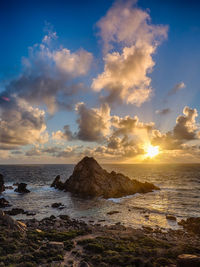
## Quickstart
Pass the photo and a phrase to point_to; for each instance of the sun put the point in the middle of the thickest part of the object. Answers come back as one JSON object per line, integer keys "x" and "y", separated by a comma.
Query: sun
{"x": 152, "y": 151}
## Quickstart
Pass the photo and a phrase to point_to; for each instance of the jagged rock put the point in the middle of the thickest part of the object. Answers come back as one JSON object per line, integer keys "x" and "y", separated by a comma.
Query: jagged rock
{"x": 191, "y": 224}
{"x": 2, "y": 186}
{"x": 188, "y": 260}
{"x": 57, "y": 183}
{"x": 90, "y": 180}
{"x": 22, "y": 188}
{"x": 4, "y": 203}
{"x": 11, "y": 223}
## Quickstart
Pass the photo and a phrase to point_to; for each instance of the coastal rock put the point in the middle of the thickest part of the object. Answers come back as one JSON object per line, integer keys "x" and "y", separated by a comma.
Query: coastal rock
{"x": 15, "y": 211}
{"x": 58, "y": 205}
{"x": 2, "y": 186}
{"x": 4, "y": 203}
{"x": 191, "y": 224}
{"x": 57, "y": 183}
{"x": 22, "y": 188}
{"x": 188, "y": 260}
{"x": 89, "y": 179}
{"x": 10, "y": 223}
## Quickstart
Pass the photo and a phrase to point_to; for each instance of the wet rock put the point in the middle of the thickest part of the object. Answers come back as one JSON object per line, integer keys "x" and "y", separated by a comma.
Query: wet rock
{"x": 57, "y": 183}
{"x": 22, "y": 188}
{"x": 171, "y": 217}
{"x": 15, "y": 184}
{"x": 64, "y": 217}
{"x": 2, "y": 186}
{"x": 90, "y": 180}
{"x": 188, "y": 260}
{"x": 15, "y": 211}
{"x": 9, "y": 187}
{"x": 58, "y": 205}
{"x": 4, "y": 203}
{"x": 112, "y": 212}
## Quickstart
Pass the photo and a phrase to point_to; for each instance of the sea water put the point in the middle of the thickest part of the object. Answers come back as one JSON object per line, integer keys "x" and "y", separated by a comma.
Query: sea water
{"x": 179, "y": 194}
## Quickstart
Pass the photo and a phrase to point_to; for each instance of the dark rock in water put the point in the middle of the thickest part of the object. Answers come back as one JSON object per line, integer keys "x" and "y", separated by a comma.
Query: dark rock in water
{"x": 90, "y": 180}
{"x": 2, "y": 186}
{"x": 188, "y": 260}
{"x": 22, "y": 188}
{"x": 58, "y": 205}
{"x": 4, "y": 203}
{"x": 57, "y": 183}
{"x": 15, "y": 211}
{"x": 9, "y": 187}
{"x": 15, "y": 184}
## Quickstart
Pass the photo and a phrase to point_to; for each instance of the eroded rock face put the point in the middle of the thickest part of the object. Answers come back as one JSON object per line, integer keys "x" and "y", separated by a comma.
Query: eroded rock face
{"x": 2, "y": 186}
{"x": 90, "y": 180}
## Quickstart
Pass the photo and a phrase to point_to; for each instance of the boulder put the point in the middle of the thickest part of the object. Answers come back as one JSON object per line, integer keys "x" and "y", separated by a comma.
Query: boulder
{"x": 4, "y": 203}
{"x": 2, "y": 186}
{"x": 188, "y": 260}
{"x": 57, "y": 205}
{"x": 89, "y": 179}
{"x": 22, "y": 188}
{"x": 11, "y": 223}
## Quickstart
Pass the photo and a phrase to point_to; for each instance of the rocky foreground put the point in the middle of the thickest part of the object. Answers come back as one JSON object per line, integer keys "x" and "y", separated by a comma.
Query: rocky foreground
{"x": 62, "y": 241}
{"x": 89, "y": 179}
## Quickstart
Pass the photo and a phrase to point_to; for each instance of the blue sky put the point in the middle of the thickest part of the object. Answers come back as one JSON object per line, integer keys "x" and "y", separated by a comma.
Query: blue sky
{"x": 23, "y": 24}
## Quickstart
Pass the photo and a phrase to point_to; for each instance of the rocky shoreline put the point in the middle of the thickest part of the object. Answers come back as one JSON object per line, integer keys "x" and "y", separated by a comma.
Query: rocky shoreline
{"x": 62, "y": 241}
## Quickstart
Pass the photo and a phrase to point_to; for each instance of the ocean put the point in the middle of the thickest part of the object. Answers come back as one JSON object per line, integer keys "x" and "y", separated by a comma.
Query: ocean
{"x": 179, "y": 194}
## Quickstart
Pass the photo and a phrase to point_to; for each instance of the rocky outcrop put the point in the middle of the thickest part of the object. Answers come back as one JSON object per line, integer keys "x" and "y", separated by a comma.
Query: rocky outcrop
{"x": 4, "y": 203}
{"x": 57, "y": 183}
{"x": 22, "y": 188}
{"x": 89, "y": 179}
{"x": 10, "y": 223}
{"x": 2, "y": 186}
{"x": 188, "y": 260}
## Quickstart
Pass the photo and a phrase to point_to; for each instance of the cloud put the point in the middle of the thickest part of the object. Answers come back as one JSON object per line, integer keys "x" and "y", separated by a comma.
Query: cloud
{"x": 94, "y": 123}
{"x": 50, "y": 76}
{"x": 185, "y": 130}
{"x": 125, "y": 77}
{"x": 164, "y": 111}
{"x": 178, "y": 87}
{"x": 21, "y": 124}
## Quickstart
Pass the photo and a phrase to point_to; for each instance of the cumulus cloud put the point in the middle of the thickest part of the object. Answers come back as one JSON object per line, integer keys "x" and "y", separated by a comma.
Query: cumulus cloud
{"x": 178, "y": 87}
{"x": 185, "y": 130}
{"x": 50, "y": 76}
{"x": 94, "y": 123}
{"x": 21, "y": 124}
{"x": 164, "y": 111}
{"x": 125, "y": 76}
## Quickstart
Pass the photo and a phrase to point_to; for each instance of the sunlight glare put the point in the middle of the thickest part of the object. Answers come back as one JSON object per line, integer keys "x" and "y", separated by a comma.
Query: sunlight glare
{"x": 152, "y": 151}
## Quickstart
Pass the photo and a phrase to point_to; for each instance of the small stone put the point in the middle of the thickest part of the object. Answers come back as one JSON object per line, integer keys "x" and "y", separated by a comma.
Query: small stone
{"x": 112, "y": 212}
{"x": 171, "y": 217}
{"x": 188, "y": 260}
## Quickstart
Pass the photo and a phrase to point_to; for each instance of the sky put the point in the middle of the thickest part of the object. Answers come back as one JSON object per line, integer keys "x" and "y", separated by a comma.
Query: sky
{"x": 116, "y": 80}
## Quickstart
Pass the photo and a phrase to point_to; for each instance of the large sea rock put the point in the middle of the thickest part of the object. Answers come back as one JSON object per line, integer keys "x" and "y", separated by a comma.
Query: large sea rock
{"x": 89, "y": 179}
{"x": 2, "y": 186}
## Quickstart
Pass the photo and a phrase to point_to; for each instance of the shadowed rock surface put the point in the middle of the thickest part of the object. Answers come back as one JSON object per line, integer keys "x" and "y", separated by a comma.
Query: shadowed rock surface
{"x": 2, "y": 187}
{"x": 22, "y": 188}
{"x": 89, "y": 179}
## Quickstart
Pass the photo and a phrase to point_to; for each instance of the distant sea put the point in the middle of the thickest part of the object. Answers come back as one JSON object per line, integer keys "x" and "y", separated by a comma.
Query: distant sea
{"x": 179, "y": 194}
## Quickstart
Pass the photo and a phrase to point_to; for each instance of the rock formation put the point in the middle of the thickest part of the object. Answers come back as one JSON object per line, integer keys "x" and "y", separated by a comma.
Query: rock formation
{"x": 90, "y": 180}
{"x": 4, "y": 203}
{"x": 10, "y": 223}
{"x": 22, "y": 188}
{"x": 2, "y": 186}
